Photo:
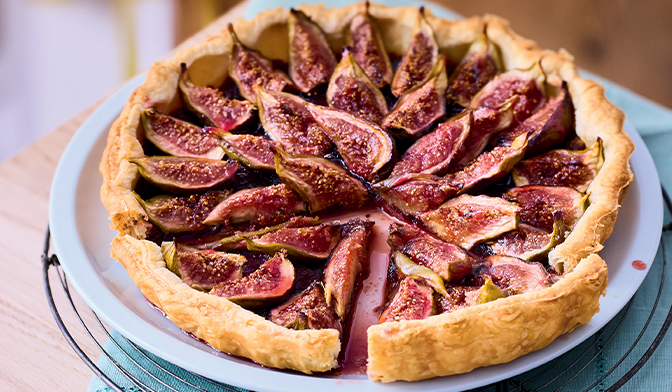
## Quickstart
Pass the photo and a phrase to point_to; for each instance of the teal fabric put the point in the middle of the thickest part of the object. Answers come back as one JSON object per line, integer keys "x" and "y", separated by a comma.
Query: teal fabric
{"x": 654, "y": 123}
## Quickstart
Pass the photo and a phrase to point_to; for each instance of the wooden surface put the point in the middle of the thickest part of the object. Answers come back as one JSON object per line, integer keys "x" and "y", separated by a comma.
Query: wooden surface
{"x": 34, "y": 355}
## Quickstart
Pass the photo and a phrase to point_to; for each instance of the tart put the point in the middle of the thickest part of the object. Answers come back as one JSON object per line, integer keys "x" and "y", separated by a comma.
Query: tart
{"x": 229, "y": 170}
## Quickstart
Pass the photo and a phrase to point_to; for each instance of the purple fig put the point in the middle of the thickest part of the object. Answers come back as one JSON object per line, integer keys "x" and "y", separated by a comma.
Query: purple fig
{"x": 460, "y": 297}
{"x": 528, "y": 242}
{"x": 513, "y": 275}
{"x": 311, "y": 61}
{"x": 308, "y": 310}
{"x": 237, "y": 240}
{"x": 304, "y": 243}
{"x": 184, "y": 174}
{"x": 351, "y": 90}
{"x": 413, "y": 301}
{"x": 369, "y": 50}
{"x": 174, "y": 214}
{"x": 418, "y": 272}
{"x": 539, "y": 203}
{"x": 179, "y": 138}
{"x": 252, "y": 151}
{"x": 478, "y": 67}
{"x": 415, "y": 193}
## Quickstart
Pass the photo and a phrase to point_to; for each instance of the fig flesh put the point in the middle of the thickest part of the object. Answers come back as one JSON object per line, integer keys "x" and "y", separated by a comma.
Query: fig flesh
{"x": 419, "y": 272}
{"x": 539, "y": 203}
{"x": 415, "y": 193}
{"x": 346, "y": 263}
{"x": 528, "y": 242}
{"x": 302, "y": 243}
{"x": 212, "y": 106}
{"x": 561, "y": 168}
{"x": 369, "y": 50}
{"x": 413, "y": 301}
{"x": 175, "y": 214}
{"x": 250, "y": 68}
{"x": 478, "y": 67}
{"x": 513, "y": 275}
{"x": 287, "y": 121}
{"x": 263, "y": 206}
{"x": 308, "y": 310}
{"x": 365, "y": 148}
{"x": 311, "y": 61}
{"x": 320, "y": 182}
{"x": 252, "y": 151}
{"x": 237, "y": 240}
{"x": 184, "y": 174}
{"x": 202, "y": 269}
{"x": 419, "y": 57}
{"x": 467, "y": 220}
{"x": 419, "y": 107}
{"x": 266, "y": 286}
{"x": 179, "y": 138}
{"x": 351, "y": 90}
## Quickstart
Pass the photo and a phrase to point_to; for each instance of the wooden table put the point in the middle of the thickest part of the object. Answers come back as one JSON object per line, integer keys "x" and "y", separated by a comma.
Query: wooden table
{"x": 34, "y": 355}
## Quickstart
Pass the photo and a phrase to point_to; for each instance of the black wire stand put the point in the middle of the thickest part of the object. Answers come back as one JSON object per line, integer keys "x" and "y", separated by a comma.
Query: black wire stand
{"x": 565, "y": 371}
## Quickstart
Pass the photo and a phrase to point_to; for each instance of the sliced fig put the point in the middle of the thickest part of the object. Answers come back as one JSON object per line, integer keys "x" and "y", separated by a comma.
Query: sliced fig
{"x": 250, "y": 68}
{"x": 265, "y": 206}
{"x": 202, "y": 269}
{"x": 489, "y": 167}
{"x": 179, "y": 138}
{"x": 547, "y": 128}
{"x": 266, "y": 286}
{"x": 527, "y": 84}
{"x": 184, "y": 174}
{"x": 365, "y": 148}
{"x": 418, "y": 59}
{"x": 460, "y": 297}
{"x": 413, "y": 301}
{"x": 515, "y": 276}
{"x": 489, "y": 292}
{"x": 252, "y": 151}
{"x": 419, "y": 107}
{"x": 561, "y": 168}
{"x": 528, "y": 242}
{"x": 308, "y": 310}
{"x": 345, "y": 264}
{"x": 286, "y": 120}
{"x": 478, "y": 67}
{"x": 419, "y": 272}
{"x": 237, "y": 240}
{"x": 320, "y": 182}
{"x": 174, "y": 214}
{"x": 351, "y": 90}
{"x": 467, "y": 220}
{"x": 539, "y": 203}
{"x": 305, "y": 243}
{"x": 311, "y": 61}
{"x": 212, "y": 106}
{"x": 414, "y": 193}
{"x": 369, "y": 50}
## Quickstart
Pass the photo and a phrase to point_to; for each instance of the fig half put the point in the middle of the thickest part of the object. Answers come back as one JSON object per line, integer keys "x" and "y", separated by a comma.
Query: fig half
{"x": 528, "y": 242}
{"x": 237, "y": 240}
{"x": 351, "y": 90}
{"x": 304, "y": 243}
{"x": 513, "y": 275}
{"x": 179, "y": 138}
{"x": 410, "y": 269}
{"x": 175, "y": 214}
{"x": 369, "y": 50}
{"x": 413, "y": 301}
{"x": 460, "y": 297}
{"x": 478, "y": 67}
{"x": 252, "y": 151}
{"x": 185, "y": 175}
{"x": 539, "y": 203}
{"x": 365, "y": 148}
{"x": 308, "y": 310}
{"x": 266, "y": 286}
{"x": 202, "y": 269}
{"x": 467, "y": 220}
{"x": 311, "y": 61}
{"x": 415, "y": 193}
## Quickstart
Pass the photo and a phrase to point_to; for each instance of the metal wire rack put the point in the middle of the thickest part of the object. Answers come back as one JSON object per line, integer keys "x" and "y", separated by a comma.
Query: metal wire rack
{"x": 566, "y": 372}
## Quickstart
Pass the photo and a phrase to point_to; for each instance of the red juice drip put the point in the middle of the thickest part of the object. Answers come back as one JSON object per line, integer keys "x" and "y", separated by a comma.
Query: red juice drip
{"x": 639, "y": 265}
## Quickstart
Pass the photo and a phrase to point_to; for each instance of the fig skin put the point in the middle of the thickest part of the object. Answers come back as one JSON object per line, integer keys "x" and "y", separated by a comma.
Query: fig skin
{"x": 179, "y": 138}
{"x": 311, "y": 61}
{"x": 237, "y": 240}
{"x": 468, "y": 220}
{"x": 539, "y": 203}
{"x": 366, "y": 149}
{"x": 250, "y": 68}
{"x": 308, "y": 310}
{"x": 419, "y": 107}
{"x": 413, "y": 301}
{"x": 345, "y": 265}
{"x": 478, "y": 67}
{"x": 512, "y": 275}
{"x": 561, "y": 168}
{"x": 268, "y": 285}
{"x": 260, "y": 206}
{"x": 185, "y": 175}
{"x": 528, "y": 242}
{"x": 369, "y": 50}
{"x": 320, "y": 182}
{"x": 176, "y": 214}
{"x": 415, "y": 193}
{"x": 286, "y": 120}
{"x": 418, "y": 272}
{"x": 301, "y": 243}
{"x": 252, "y": 151}
{"x": 419, "y": 57}
{"x": 202, "y": 269}
{"x": 351, "y": 90}
{"x": 212, "y": 106}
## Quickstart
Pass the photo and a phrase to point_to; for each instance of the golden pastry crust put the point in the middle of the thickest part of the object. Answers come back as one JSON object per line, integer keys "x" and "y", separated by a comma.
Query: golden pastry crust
{"x": 441, "y": 345}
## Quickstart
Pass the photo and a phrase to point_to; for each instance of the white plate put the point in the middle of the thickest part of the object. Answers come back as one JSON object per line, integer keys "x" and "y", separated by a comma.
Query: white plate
{"x": 79, "y": 227}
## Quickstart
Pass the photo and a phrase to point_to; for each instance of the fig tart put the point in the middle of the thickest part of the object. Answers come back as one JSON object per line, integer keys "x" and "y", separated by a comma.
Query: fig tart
{"x": 231, "y": 170}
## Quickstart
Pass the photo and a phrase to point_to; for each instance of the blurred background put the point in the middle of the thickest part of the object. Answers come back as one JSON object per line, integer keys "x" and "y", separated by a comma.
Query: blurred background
{"x": 58, "y": 57}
